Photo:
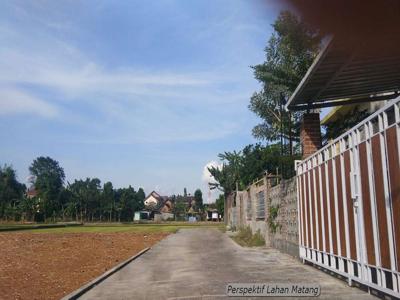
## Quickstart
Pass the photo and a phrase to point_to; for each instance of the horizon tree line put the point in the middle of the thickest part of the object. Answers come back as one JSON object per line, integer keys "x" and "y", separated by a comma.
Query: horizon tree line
{"x": 49, "y": 198}
{"x": 54, "y": 199}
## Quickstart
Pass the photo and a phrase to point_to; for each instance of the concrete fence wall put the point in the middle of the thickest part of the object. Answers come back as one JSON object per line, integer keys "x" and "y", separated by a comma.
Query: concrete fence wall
{"x": 283, "y": 197}
{"x": 270, "y": 210}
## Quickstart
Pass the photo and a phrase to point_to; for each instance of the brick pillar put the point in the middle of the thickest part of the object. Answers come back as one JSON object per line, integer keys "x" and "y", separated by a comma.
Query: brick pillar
{"x": 310, "y": 134}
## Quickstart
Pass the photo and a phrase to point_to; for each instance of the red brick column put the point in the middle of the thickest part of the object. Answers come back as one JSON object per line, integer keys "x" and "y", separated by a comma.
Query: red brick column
{"x": 310, "y": 134}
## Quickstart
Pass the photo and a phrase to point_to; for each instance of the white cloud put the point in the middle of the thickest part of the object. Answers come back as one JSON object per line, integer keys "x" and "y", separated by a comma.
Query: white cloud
{"x": 207, "y": 178}
{"x": 77, "y": 79}
{"x": 131, "y": 104}
{"x": 185, "y": 106}
{"x": 206, "y": 175}
{"x": 17, "y": 102}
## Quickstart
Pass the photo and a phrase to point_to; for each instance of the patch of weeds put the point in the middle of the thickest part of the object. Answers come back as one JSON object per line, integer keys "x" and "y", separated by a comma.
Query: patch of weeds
{"x": 246, "y": 238}
{"x": 222, "y": 228}
{"x": 273, "y": 214}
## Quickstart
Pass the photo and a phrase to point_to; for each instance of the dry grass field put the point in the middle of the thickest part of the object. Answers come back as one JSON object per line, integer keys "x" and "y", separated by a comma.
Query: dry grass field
{"x": 50, "y": 263}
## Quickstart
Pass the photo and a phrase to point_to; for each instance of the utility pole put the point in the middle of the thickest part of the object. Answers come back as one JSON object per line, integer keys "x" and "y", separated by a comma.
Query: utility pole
{"x": 290, "y": 135}
{"x": 282, "y": 99}
{"x": 281, "y": 117}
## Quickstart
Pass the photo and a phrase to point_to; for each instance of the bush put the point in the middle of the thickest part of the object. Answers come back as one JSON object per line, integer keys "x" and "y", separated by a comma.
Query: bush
{"x": 273, "y": 214}
{"x": 246, "y": 238}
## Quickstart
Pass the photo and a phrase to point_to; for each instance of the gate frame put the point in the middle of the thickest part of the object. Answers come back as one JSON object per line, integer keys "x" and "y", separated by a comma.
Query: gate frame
{"x": 349, "y": 141}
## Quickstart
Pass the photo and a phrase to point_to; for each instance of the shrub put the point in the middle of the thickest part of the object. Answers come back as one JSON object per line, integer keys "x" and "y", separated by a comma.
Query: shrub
{"x": 273, "y": 214}
{"x": 246, "y": 238}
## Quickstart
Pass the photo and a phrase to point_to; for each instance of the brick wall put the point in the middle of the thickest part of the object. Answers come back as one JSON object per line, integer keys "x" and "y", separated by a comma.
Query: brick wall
{"x": 310, "y": 134}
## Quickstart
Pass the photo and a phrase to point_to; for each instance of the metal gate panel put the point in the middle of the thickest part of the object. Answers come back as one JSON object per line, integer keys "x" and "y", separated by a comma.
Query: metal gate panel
{"x": 394, "y": 175}
{"x": 351, "y": 246}
{"x": 380, "y": 202}
{"x": 312, "y": 209}
{"x": 349, "y": 203}
{"x": 318, "y": 209}
{"x": 303, "y": 210}
{"x": 366, "y": 205}
{"x": 340, "y": 210}
{"x": 332, "y": 210}
{"x": 324, "y": 206}
{"x": 307, "y": 209}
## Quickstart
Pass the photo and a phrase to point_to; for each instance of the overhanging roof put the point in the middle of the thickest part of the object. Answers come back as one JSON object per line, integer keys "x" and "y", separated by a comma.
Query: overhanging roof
{"x": 346, "y": 72}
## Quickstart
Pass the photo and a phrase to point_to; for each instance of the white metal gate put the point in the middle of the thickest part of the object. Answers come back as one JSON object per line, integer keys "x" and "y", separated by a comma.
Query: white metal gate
{"x": 349, "y": 203}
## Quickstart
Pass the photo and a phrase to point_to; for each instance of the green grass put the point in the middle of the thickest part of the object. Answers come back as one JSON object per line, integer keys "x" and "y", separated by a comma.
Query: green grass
{"x": 18, "y": 227}
{"x": 136, "y": 228}
{"x": 247, "y": 239}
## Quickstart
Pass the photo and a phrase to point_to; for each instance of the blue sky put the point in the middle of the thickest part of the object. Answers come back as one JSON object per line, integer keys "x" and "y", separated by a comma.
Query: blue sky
{"x": 144, "y": 93}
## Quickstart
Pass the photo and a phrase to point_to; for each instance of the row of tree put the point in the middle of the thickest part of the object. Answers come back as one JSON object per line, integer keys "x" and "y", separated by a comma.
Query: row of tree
{"x": 240, "y": 169}
{"x": 50, "y": 199}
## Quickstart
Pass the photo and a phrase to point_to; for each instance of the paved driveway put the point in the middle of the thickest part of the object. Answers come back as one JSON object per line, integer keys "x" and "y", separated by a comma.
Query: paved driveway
{"x": 198, "y": 263}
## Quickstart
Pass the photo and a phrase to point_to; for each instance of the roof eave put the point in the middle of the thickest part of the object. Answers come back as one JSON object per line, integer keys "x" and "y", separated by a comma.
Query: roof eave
{"x": 310, "y": 72}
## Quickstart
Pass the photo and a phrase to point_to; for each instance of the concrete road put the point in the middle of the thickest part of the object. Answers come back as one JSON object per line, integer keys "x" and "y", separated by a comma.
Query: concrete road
{"x": 198, "y": 263}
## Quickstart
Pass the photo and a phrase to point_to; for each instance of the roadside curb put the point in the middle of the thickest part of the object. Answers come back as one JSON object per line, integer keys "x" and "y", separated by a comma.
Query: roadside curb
{"x": 82, "y": 290}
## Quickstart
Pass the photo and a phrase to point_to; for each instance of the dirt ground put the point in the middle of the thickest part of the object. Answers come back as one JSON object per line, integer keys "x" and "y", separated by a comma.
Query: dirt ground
{"x": 51, "y": 265}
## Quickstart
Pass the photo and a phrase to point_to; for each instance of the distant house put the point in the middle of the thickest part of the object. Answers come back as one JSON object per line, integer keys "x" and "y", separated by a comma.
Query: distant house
{"x": 213, "y": 215}
{"x": 141, "y": 215}
{"x": 160, "y": 207}
{"x": 31, "y": 192}
{"x": 191, "y": 201}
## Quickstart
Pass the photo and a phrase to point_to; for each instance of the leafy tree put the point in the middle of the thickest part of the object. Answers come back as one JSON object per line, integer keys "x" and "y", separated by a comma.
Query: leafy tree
{"x": 220, "y": 204}
{"x": 180, "y": 207}
{"x": 85, "y": 196}
{"x": 28, "y": 207}
{"x": 243, "y": 167}
{"x": 73, "y": 205}
{"x": 11, "y": 192}
{"x": 228, "y": 176}
{"x": 49, "y": 182}
{"x": 79, "y": 196}
{"x": 289, "y": 53}
{"x": 64, "y": 202}
{"x": 93, "y": 193}
{"x": 108, "y": 200}
{"x": 257, "y": 160}
{"x": 128, "y": 203}
{"x": 336, "y": 128}
{"x": 198, "y": 196}
{"x": 84, "y": 200}
{"x": 140, "y": 196}
{"x": 224, "y": 177}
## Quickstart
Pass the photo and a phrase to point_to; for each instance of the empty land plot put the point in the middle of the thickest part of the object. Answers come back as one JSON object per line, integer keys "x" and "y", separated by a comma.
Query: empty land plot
{"x": 50, "y": 263}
